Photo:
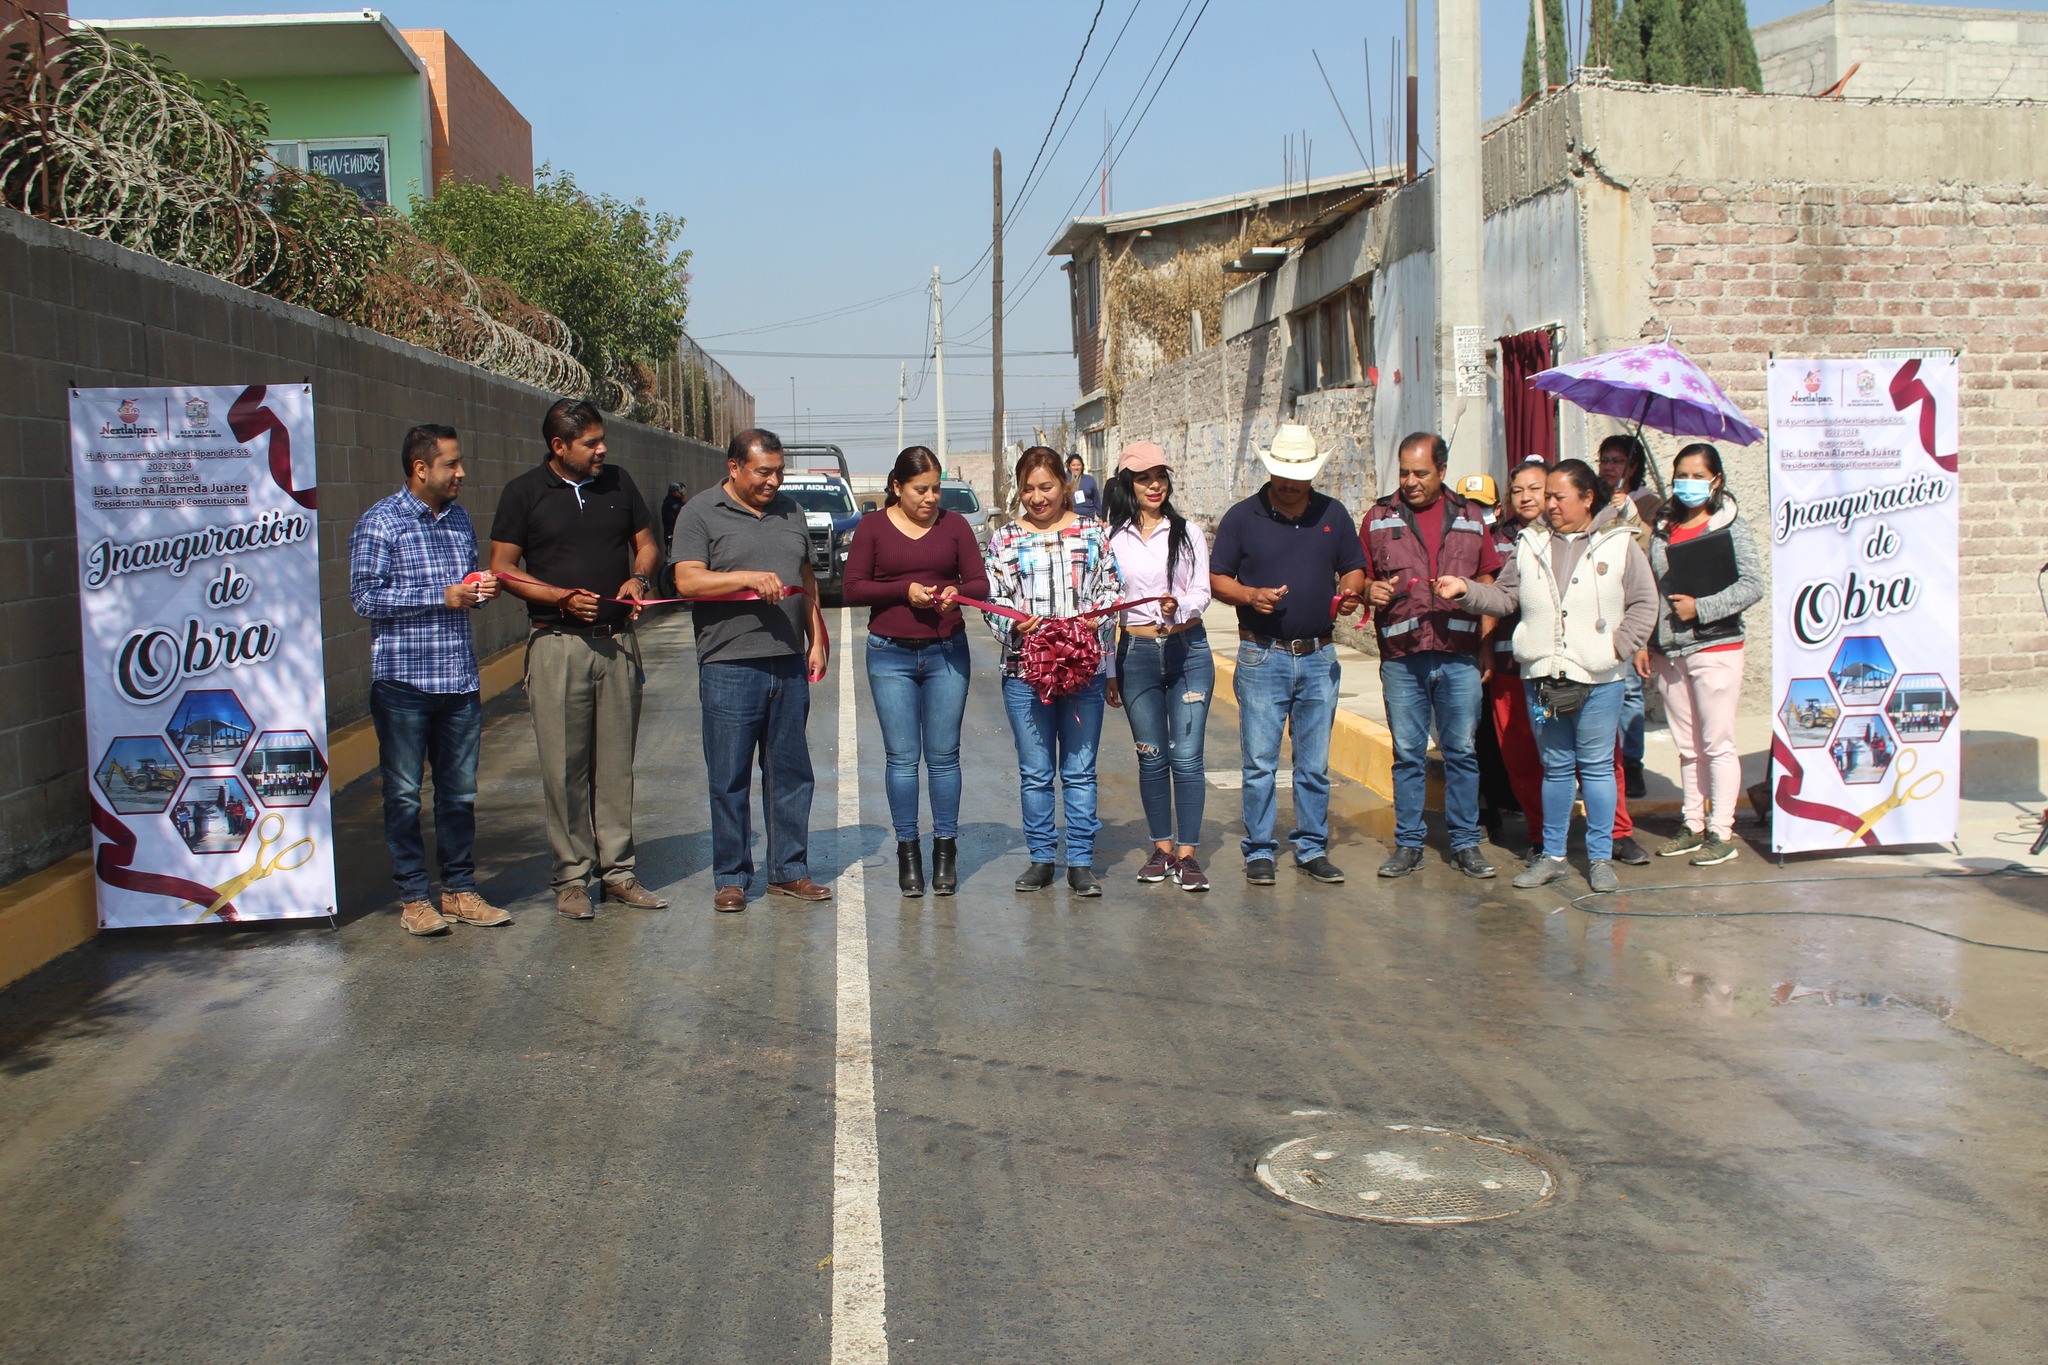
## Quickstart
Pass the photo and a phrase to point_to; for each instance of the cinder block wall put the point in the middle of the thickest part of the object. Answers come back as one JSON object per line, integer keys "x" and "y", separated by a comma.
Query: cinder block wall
{"x": 75, "y": 310}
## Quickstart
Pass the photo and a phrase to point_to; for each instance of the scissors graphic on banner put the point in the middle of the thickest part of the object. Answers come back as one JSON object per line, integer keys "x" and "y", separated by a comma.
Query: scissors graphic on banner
{"x": 1926, "y": 785}
{"x": 293, "y": 856}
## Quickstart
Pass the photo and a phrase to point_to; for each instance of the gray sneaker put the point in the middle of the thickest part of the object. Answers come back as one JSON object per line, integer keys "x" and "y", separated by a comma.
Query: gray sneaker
{"x": 1600, "y": 876}
{"x": 1542, "y": 872}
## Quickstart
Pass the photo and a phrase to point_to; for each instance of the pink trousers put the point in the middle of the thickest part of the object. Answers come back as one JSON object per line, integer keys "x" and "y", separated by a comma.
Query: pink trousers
{"x": 1700, "y": 691}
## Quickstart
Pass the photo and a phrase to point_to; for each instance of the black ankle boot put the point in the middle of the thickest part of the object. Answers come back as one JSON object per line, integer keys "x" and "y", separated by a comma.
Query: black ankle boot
{"x": 910, "y": 867}
{"x": 945, "y": 869}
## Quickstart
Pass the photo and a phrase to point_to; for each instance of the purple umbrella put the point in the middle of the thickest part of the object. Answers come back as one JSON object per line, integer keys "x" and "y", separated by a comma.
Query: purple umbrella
{"x": 1653, "y": 386}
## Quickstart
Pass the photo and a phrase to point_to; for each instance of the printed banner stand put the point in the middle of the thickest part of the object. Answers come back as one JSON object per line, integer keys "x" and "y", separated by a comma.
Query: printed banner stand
{"x": 1866, "y": 746}
{"x": 205, "y": 682}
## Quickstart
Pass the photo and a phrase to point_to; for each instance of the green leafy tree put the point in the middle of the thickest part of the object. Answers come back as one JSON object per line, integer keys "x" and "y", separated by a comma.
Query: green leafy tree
{"x": 608, "y": 269}
{"x": 1719, "y": 51}
{"x": 1622, "y": 40}
{"x": 1663, "y": 42}
{"x": 1555, "y": 55}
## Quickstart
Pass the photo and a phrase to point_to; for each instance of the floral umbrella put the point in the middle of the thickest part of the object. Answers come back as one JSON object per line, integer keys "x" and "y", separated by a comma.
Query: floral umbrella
{"x": 1654, "y": 386}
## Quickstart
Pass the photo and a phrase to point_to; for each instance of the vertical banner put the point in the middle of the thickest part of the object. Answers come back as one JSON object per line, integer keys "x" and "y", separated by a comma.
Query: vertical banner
{"x": 1866, "y": 749}
{"x": 205, "y": 685}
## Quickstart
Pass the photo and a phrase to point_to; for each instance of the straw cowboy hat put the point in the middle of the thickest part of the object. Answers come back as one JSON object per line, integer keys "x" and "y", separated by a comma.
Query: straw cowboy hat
{"x": 1293, "y": 454}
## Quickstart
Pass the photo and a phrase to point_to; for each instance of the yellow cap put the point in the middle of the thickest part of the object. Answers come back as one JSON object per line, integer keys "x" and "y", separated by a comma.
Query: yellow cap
{"x": 1479, "y": 488}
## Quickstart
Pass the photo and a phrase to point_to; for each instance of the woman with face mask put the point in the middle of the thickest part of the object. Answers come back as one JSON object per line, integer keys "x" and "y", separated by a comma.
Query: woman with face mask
{"x": 1696, "y": 654}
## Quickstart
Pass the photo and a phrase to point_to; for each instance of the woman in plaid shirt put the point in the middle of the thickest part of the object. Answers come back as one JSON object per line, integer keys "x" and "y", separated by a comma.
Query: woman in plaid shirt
{"x": 1052, "y": 563}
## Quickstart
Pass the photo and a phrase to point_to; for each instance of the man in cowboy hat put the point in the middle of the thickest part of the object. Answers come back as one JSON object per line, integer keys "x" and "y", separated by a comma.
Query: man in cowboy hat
{"x": 1281, "y": 557}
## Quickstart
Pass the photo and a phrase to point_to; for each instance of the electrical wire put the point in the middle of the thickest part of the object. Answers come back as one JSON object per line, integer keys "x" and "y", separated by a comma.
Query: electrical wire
{"x": 2009, "y": 870}
{"x": 810, "y": 318}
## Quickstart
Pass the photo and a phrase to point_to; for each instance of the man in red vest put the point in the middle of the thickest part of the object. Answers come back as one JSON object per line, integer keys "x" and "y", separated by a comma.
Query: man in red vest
{"x": 1429, "y": 667}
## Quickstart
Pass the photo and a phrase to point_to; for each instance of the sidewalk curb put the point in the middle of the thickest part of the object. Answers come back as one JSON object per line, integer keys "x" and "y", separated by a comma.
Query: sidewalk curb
{"x": 48, "y": 913}
{"x": 1361, "y": 749}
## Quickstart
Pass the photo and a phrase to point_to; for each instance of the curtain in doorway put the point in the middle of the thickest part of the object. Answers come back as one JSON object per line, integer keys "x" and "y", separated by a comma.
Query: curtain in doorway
{"x": 1529, "y": 413}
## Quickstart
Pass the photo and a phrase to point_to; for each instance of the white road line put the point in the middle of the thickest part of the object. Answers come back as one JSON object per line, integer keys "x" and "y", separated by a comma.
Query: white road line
{"x": 859, "y": 1328}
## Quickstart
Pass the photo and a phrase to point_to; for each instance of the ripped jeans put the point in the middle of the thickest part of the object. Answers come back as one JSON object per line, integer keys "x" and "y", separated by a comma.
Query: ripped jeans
{"x": 1167, "y": 685}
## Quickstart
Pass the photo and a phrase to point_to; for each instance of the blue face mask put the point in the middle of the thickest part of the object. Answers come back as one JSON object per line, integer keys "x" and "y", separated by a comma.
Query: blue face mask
{"x": 1692, "y": 492}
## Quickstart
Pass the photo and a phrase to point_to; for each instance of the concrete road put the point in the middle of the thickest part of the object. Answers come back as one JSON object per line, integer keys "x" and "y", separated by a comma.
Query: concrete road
{"x": 627, "y": 1139}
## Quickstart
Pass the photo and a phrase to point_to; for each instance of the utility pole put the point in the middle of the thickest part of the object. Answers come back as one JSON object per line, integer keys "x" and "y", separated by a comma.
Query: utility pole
{"x": 902, "y": 387}
{"x": 1542, "y": 48}
{"x": 792, "y": 405}
{"x": 995, "y": 459}
{"x": 1460, "y": 315}
{"x": 939, "y": 355}
{"x": 1414, "y": 85}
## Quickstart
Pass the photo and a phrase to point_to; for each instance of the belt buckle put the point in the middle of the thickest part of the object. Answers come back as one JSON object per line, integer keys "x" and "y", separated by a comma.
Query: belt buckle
{"x": 1302, "y": 648}
{"x": 603, "y": 632}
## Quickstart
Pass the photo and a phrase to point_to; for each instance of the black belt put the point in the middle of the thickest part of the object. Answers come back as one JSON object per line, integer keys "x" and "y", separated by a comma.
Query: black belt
{"x": 590, "y": 629}
{"x": 1305, "y": 645}
{"x": 904, "y": 642}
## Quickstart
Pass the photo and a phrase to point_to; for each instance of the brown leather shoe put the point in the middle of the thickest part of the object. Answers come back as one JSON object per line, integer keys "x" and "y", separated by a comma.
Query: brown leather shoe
{"x": 573, "y": 901}
{"x": 730, "y": 900}
{"x": 803, "y": 889}
{"x": 470, "y": 908}
{"x": 630, "y": 892}
{"x": 421, "y": 918}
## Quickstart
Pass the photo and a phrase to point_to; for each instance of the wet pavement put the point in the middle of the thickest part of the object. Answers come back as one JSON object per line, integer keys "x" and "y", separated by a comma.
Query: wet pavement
{"x": 1774, "y": 1138}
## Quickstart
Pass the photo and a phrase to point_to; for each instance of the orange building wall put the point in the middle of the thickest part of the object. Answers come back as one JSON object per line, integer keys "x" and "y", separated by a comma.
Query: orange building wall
{"x": 477, "y": 134}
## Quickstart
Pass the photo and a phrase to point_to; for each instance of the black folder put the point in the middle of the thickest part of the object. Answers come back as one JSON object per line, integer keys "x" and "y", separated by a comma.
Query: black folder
{"x": 1700, "y": 568}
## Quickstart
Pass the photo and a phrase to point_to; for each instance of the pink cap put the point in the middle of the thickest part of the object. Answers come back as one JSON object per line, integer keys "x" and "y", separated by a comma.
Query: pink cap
{"x": 1142, "y": 455}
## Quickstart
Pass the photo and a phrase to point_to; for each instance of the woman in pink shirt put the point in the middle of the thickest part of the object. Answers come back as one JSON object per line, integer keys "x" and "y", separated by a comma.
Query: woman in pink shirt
{"x": 1165, "y": 675}
{"x": 908, "y": 562}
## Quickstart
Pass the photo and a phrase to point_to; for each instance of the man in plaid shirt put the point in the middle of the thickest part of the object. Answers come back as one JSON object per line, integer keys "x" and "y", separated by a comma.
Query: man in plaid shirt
{"x": 409, "y": 565}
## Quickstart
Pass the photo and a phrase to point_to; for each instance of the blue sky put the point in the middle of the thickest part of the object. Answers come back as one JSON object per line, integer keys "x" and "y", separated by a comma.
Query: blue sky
{"x": 828, "y": 155}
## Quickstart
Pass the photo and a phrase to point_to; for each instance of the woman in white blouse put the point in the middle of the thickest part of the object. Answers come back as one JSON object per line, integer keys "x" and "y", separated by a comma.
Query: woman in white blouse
{"x": 1165, "y": 675}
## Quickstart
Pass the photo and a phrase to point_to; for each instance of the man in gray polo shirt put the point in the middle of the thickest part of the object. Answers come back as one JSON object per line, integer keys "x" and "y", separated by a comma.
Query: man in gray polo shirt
{"x": 756, "y": 661}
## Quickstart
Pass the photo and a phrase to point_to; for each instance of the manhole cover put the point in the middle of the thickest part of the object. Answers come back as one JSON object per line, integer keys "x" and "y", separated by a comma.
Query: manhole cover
{"x": 1407, "y": 1173}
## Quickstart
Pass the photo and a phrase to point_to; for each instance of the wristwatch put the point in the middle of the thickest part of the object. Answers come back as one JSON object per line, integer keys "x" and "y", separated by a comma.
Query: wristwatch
{"x": 644, "y": 581}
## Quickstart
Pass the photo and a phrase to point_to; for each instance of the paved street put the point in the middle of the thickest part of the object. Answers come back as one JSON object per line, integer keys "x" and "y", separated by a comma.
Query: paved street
{"x": 1775, "y": 1139}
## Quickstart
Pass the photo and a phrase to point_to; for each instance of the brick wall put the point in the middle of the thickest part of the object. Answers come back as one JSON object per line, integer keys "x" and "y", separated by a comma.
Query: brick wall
{"x": 78, "y": 311}
{"x": 477, "y": 133}
{"x": 1745, "y": 270}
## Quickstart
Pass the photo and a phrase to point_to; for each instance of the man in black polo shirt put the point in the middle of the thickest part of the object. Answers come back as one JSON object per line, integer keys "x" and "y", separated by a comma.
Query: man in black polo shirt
{"x": 756, "y": 661}
{"x": 1280, "y": 556}
{"x": 583, "y": 530}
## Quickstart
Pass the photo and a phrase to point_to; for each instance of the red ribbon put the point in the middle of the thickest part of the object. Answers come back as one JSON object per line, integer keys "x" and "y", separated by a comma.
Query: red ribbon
{"x": 1060, "y": 656}
{"x": 248, "y": 419}
{"x": 114, "y": 856}
{"x": 744, "y": 595}
{"x": 1791, "y": 777}
{"x": 1908, "y": 389}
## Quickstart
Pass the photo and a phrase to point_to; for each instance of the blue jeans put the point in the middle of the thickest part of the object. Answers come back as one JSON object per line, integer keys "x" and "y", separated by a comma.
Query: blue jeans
{"x": 1058, "y": 734}
{"x": 757, "y": 707}
{"x": 920, "y": 695}
{"x": 1578, "y": 759}
{"x": 415, "y": 728}
{"x": 1442, "y": 687}
{"x": 1167, "y": 685}
{"x": 1633, "y": 718}
{"x": 1298, "y": 693}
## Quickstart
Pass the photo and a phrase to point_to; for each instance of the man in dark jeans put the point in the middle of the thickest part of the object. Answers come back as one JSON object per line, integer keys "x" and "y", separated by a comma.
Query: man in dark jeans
{"x": 586, "y": 539}
{"x": 409, "y": 562}
{"x": 756, "y": 661}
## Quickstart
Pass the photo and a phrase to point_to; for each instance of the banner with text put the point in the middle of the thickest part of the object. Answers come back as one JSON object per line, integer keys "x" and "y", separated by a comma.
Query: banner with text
{"x": 1866, "y": 748}
{"x": 205, "y": 685}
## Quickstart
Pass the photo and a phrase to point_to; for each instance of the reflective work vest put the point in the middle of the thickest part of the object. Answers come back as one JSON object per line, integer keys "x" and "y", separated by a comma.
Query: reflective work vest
{"x": 1417, "y": 621}
{"x": 1503, "y": 539}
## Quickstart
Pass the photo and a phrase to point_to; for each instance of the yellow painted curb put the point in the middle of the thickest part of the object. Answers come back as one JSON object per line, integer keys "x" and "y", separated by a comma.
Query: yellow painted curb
{"x": 46, "y": 914}
{"x": 1361, "y": 748}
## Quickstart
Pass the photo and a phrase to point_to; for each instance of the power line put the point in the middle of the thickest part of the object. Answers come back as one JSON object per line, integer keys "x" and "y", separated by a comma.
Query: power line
{"x": 825, "y": 316}
{"x": 867, "y": 355}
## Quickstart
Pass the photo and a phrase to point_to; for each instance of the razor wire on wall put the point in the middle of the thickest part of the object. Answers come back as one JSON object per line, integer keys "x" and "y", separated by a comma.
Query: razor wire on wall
{"x": 100, "y": 137}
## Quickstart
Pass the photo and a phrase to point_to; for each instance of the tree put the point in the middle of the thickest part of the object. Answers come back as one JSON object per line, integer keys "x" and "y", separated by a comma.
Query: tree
{"x": 1663, "y": 42}
{"x": 606, "y": 268}
{"x": 1719, "y": 51}
{"x": 1556, "y": 56}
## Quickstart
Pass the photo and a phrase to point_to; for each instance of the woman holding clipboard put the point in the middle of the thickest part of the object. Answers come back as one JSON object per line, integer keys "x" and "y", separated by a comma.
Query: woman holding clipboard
{"x": 1708, "y": 572}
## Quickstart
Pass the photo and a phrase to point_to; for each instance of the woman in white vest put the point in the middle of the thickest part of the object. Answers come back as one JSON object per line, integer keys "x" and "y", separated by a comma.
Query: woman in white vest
{"x": 1587, "y": 603}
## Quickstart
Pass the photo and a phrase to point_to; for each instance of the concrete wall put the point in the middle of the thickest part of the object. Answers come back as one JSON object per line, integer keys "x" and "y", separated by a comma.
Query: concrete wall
{"x": 76, "y": 310}
{"x": 1913, "y": 52}
{"x": 477, "y": 134}
{"x": 392, "y": 107}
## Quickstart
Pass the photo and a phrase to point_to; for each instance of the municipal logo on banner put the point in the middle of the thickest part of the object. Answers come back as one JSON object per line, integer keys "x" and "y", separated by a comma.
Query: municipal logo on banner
{"x": 1866, "y": 743}
{"x": 205, "y": 682}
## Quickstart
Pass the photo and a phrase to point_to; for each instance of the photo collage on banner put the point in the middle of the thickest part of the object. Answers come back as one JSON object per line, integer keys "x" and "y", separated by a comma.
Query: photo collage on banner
{"x": 205, "y": 683}
{"x": 1866, "y": 745}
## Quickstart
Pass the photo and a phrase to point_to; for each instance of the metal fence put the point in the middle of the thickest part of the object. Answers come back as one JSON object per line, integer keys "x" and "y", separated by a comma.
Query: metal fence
{"x": 703, "y": 400}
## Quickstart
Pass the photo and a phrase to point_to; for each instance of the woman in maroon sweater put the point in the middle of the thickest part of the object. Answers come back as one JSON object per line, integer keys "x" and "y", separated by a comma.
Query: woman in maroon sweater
{"x": 908, "y": 562}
